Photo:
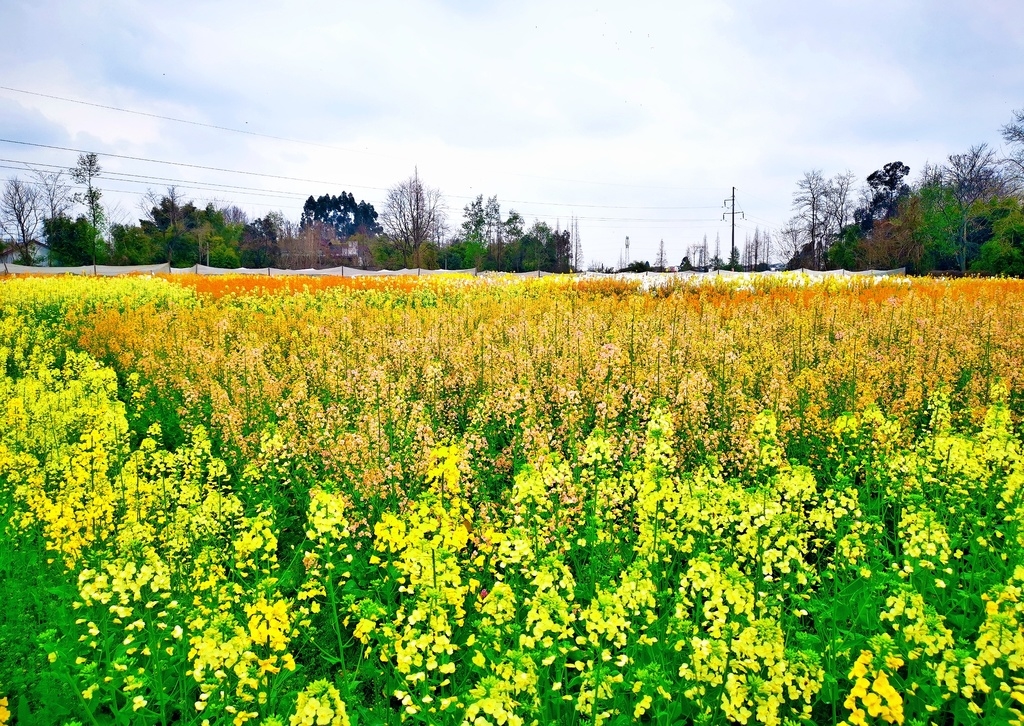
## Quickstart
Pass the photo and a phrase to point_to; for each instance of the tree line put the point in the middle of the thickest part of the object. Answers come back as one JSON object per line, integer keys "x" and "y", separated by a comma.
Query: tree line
{"x": 964, "y": 214}
{"x": 43, "y": 222}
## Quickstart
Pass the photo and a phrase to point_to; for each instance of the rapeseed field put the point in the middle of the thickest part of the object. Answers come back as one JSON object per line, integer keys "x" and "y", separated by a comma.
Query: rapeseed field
{"x": 454, "y": 501}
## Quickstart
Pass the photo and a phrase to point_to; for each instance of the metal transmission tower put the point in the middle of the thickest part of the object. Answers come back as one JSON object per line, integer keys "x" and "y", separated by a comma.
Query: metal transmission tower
{"x": 627, "y": 251}
{"x": 732, "y": 200}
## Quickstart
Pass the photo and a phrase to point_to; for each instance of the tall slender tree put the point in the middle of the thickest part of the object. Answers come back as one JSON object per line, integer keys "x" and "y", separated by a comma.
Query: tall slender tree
{"x": 86, "y": 172}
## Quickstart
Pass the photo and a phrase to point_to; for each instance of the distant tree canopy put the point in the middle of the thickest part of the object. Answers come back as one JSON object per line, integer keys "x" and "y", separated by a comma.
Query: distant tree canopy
{"x": 37, "y": 225}
{"x": 176, "y": 230}
{"x": 886, "y": 189}
{"x": 74, "y": 243}
{"x": 641, "y": 266}
{"x": 342, "y": 214}
{"x": 964, "y": 214}
{"x": 488, "y": 242}
{"x": 260, "y": 244}
{"x": 179, "y": 232}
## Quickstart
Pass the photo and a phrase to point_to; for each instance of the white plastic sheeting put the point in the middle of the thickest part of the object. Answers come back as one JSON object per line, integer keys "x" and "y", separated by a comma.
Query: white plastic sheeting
{"x": 204, "y": 270}
{"x": 110, "y": 270}
{"x": 101, "y": 270}
{"x": 534, "y": 274}
{"x": 12, "y": 269}
{"x": 730, "y": 274}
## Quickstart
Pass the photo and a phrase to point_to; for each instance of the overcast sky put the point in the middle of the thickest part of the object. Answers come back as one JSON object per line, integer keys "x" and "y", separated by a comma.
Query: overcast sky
{"x": 637, "y": 118}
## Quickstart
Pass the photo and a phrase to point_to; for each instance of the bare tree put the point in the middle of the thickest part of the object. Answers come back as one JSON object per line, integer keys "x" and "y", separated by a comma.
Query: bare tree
{"x": 838, "y": 204}
{"x": 931, "y": 175}
{"x": 791, "y": 242}
{"x": 444, "y": 238}
{"x": 288, "y": 227}
{"x": 1013, "y": 135}
{"x": 234, "y": 214}
{"x": 1013, "y": 163}
{"x": 971, "y": 177}
{"x": 21, "y": 215}
{"x": 823, "y": 207}
{"x": 411, "y": 216}
{"x": 809, "y": 202}
{"x": 325, "y": 242}
{"x": 115, "y": 214}
{"x": 661, "y": 260}
{"x": 758, "y": 248}
{"x": 163, "y": 210}
{"x": 55, "y": 194}
{"x": 300, "y": 247}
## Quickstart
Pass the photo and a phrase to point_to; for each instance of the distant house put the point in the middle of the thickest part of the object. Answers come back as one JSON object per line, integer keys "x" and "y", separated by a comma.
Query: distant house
{"x": 351, "y": 252}
{"x": 40, "y": 253}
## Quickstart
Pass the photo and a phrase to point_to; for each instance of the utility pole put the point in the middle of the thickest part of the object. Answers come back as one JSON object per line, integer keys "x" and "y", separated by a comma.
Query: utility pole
{"x": 732, "y": 200}
{"x": 577, "y": 248}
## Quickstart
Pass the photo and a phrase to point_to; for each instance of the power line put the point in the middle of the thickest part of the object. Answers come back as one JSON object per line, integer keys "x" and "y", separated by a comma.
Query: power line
{"x": 134, "y": 192}
{"x": 185, "y": 187}
{"x": 184, "y": 183}
{"x": 186, "y": 121}
{"x": 762, "y": 219}
{"x": 312, "y": 181}
{"x": 320, "y": 145}
{"x": 608, "y": 184}
{"x": 143, "y": 195}
{"x": 250, "y": 192}
{"x": 651, "y": 219}
{"x": 189, "y": 166}
{"x": 588, "y": 206}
